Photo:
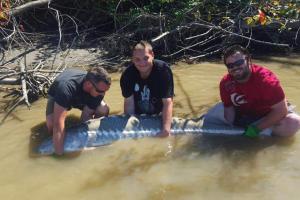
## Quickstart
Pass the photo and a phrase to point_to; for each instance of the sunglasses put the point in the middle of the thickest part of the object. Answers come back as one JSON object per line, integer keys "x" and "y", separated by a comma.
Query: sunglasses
{"x": 97, "y": 90}
{"x": 235, "y": 64}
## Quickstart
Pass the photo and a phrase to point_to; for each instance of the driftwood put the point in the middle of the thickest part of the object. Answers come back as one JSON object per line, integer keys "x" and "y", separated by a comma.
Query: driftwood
{"x": 25, "y": 84}
{"x": 27, "y": 6}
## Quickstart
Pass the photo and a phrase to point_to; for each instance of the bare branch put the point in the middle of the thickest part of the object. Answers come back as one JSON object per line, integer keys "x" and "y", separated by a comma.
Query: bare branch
{"x": 30, "y": 5}
{"x": 23, "y": 81}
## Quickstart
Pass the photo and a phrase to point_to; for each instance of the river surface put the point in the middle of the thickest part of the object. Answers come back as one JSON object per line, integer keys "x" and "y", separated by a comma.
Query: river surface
{"x": 185, "y": 167}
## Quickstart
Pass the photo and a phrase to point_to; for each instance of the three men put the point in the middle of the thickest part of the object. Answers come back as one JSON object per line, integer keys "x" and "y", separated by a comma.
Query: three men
{"x": 253, "y": 97}
{"x": 147, "y": 86}
{"x": 75, "y": 89}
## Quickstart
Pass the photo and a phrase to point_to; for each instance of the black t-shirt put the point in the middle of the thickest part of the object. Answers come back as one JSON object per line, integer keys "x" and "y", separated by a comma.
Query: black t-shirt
{"x": 67, "y": 90}
{"x": 148, "y": 93}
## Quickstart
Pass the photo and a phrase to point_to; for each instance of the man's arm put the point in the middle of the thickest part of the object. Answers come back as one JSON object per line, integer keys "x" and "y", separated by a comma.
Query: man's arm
{"x": 59, "y": 116}
{"x": 277, "y": 113}
{"x": 167, "y": 112}
{"x": 86, "y": 113}
{"x": 129, "y": 105}
{"x": 229, "y": 114}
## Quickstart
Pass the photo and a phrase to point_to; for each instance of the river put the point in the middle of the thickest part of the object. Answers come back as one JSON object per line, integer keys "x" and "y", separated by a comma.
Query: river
{"x": 185, "y": 167}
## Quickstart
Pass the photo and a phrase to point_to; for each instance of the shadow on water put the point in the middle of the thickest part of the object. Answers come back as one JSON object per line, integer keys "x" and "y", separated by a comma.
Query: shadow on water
{"x": 39, "y": 133}
{"x": 235, "y": 152}
{"x": 188, "y": 99}
{"x": 240, "y": 161}
{"x": 195, "y": 111}
{"x": 227, "y": 145}
{"x": 125, "y": 164}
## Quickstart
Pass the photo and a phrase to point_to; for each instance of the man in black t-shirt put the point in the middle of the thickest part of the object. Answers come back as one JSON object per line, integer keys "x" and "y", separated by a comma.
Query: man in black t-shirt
{"x": 147, "y": 86}
{"x": 75, "y": 88}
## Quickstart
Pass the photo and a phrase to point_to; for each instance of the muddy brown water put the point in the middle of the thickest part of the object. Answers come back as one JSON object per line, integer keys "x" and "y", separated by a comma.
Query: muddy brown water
{"x": 186, "y": 167}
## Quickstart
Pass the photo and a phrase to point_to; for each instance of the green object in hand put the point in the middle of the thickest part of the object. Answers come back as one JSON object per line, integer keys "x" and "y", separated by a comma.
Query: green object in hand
{"x": 251, "y": 131}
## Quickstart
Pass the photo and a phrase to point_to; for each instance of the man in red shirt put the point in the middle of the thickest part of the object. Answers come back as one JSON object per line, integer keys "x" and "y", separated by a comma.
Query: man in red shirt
{"x": 253, "y": 97}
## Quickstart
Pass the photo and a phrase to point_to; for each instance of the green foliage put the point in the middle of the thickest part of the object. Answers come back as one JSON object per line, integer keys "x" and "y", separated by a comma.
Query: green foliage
{"x": 273, "y": 11}
{"x": 177, "y": 12}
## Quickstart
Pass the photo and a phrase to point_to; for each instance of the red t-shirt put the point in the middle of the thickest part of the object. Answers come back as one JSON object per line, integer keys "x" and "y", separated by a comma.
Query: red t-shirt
{"x": 254, "y": 97}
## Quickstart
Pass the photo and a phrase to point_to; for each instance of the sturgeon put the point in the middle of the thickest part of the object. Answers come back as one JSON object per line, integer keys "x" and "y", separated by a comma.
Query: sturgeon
{"x": 105, "y": 130}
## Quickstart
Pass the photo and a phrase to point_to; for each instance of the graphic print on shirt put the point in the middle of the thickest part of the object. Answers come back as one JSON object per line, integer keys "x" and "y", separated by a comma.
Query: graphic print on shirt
{"x": 237, "y": 99}
{"x": 136, "y": 87}
{"x": 144, "y": 102}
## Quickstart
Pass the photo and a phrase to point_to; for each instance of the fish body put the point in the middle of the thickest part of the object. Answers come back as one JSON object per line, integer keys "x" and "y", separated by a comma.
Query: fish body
{"x": 105, "y": 130}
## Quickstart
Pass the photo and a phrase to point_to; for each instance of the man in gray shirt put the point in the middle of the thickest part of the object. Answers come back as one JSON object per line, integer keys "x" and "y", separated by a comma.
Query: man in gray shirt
{"x": 75, "y": 88}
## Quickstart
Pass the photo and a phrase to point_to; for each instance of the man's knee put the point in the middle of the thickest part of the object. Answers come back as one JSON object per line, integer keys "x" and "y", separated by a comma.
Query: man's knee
{"x": 288, "y": 126}
{"x": 102, "y": 110}
{"x": 216, "y": 112}
{"x": 292, "y": 123}
{"x": 215, "y": 116}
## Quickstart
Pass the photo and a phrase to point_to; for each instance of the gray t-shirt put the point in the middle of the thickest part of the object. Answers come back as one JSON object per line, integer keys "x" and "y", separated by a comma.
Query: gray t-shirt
{"x": 67, "y": 90}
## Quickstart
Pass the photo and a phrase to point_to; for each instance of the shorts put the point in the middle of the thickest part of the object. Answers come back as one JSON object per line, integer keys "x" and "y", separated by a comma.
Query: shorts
{"x": 50, "y": 105}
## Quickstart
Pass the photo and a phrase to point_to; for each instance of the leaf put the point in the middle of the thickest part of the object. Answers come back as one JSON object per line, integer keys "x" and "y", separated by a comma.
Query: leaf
{"x": 262, "y": 17}
{"x": 209, "y": 17}
{"x": 275, "y": 2}
{"x": 255, "y": 18}
{"x": 3, "y": 16}
{"x": 249, "y": 21}
{"x": 282, "y": 27}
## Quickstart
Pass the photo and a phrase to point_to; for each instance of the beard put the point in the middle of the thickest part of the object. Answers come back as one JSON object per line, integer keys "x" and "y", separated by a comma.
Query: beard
{"x": 243, "y": 76}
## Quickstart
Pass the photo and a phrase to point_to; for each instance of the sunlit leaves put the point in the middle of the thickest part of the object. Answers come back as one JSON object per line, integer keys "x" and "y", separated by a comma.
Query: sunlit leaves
{"x": 262, "y": 17}
{"x": 259, "y": 19}
{"x": 273, "y": 11}
{"x": 4, "y": 9}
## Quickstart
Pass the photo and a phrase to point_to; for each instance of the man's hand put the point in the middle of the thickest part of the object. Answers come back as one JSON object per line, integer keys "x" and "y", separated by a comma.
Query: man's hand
{"x": 251, "y": 131}
{"x": 164, "y": 133}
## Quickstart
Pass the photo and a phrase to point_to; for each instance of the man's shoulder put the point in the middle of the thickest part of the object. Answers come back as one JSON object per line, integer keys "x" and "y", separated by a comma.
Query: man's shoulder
{"x": 69, "y": 80}
{"x": 130, "y": 69}
{"x": 265, "y": 78}
{"x": 161, "y": 64}
{"x": 262, "y": 73}
{"x": 70, "y": 74}
{"x": 260, "y": 70}
{"x": 226, "y": 78}
{"x": 226, "y": 84}
{"x": 73, "y": 71}
{"x": 161, "y": 68}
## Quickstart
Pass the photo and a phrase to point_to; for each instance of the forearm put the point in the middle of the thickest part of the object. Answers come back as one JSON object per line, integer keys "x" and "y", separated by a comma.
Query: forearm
{"x": 129, "y": 105}
{"x": 271, "y": 119}
{"x": 129, "y": 110}
{"x": 86, "y": 116}
{"x": 229, "y": 114}
{"x": 58, "y": 138}
{"x": 59, "y": 116}
{"x": 167, "y": 116}
{"x": 277, "y": 113}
